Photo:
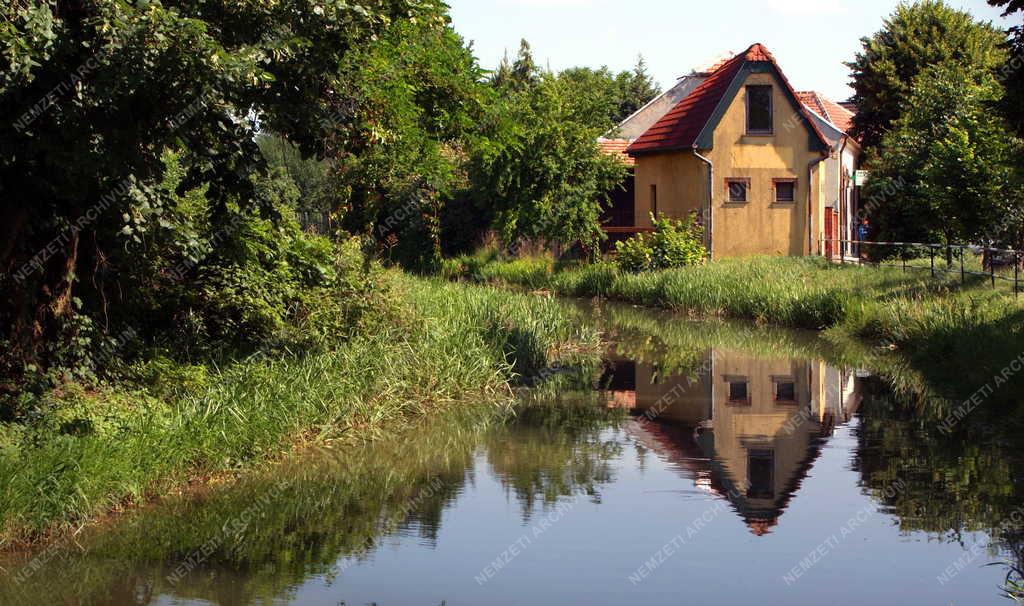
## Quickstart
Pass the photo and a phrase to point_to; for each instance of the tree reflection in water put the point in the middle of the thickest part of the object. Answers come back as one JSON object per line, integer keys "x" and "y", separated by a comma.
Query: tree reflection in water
{"x": 742, "y": 411}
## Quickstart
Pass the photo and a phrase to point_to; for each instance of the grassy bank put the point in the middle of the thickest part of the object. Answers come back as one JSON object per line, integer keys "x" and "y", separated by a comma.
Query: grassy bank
{"x": 937, "y": 322}
{"x": 102, "y": 449}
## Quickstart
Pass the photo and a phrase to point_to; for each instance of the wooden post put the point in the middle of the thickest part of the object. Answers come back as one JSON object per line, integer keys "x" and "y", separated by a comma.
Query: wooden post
{"x": 992, "y": 269}
{"x": 931, "y": 250}
{"x": 963, "y": 277}
{"x": 1016, "y": 275}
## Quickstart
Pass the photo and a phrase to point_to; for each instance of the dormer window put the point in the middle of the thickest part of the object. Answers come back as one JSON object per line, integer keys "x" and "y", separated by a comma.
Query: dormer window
{"x": 759, "y": 110}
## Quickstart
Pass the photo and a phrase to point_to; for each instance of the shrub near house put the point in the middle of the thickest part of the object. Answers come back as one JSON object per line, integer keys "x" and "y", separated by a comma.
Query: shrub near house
{"x": 673, "y": 244}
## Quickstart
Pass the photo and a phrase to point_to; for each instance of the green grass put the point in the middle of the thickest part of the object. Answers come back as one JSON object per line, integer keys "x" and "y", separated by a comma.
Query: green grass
{"x": 964, "y": 333}
{"x": 94, "y": 451}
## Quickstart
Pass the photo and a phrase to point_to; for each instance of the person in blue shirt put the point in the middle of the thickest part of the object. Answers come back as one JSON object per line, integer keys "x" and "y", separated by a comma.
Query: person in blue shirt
{"x": 862, "y": 235}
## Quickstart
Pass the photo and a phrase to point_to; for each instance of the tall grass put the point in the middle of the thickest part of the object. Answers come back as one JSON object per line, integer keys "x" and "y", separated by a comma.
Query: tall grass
{"x": 963, "y": 332}
{"x": 100, "y": 450}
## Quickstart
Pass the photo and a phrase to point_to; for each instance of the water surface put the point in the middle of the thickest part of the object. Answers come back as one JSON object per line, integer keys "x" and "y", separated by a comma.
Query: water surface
{"x": 699, "y": 463}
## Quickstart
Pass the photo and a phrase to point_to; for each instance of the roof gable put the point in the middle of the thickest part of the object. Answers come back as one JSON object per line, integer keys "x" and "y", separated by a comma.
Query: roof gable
{"x": 692, "y": 122}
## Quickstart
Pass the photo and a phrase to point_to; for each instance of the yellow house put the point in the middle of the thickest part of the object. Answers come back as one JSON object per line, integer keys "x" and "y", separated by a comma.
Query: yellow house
{"x": 743, "y": 153}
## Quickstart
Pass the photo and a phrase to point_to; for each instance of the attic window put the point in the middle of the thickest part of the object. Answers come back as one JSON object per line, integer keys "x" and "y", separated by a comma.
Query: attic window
{"x": 759, "y": 110}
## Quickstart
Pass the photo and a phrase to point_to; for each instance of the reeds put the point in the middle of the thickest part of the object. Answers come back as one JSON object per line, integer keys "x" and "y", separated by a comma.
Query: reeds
{"x": 100, "y": 450}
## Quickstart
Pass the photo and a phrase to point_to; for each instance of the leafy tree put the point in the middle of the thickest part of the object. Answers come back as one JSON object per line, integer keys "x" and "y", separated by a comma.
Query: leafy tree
{"x": 950, "y": 160}
{"x": 419, "y": 98}
{"x": 1012, "y": 72}
{"x": 593, "y": 95}
{"x": 538, "y": 167}
{"x": 916, "y": 36}
{"x": 519, "y": 75}
{"x": 636, "y": 89}
{"x": 98, "y": 90}
{"x": 605, "y": 99}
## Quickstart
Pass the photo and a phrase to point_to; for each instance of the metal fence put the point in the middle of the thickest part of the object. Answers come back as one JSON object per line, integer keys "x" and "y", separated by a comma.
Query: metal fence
{"x": 998, "y": 265}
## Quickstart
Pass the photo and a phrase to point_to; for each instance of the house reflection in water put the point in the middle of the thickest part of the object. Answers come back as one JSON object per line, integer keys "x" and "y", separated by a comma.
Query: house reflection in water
{"x": 745, "y": 428}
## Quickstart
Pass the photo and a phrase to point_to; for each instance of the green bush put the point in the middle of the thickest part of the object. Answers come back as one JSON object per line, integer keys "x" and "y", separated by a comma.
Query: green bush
{"x": 673, "y": 244}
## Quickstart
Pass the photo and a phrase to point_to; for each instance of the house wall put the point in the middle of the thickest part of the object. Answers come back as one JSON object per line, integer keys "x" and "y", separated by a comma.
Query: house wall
{"x": 760, "y": 226}
{"x": 681, "y": 181}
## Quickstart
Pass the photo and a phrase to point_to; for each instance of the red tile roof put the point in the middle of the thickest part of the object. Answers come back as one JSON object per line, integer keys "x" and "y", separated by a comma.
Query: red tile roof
{"x": 681, "y": 126}
{"x": 836, "y": 113}
{"x": 811, "y": 100}
{"x": 616, "y": 147}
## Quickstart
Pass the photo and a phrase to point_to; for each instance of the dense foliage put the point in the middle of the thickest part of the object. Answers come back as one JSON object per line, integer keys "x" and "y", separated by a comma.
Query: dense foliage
{"x": 673, "y": 244}
{"x": 100, "y": 91}
{"x": 1012, "y": 73}
{"x": 952, "y": 162}
{"x": 608, "y": 98}
{"x": 915, "y": 36}
{"x": 935, "y": 107}
{"x": 539, "y": 170}
{"x": 163, "y": 155}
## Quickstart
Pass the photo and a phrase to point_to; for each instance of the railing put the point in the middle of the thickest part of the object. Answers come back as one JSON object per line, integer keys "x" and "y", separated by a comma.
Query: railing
{"x": 995, "y": 262}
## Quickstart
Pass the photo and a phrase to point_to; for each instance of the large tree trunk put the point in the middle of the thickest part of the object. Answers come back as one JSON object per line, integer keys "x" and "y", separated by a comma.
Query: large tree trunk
{"x": 41, "y": 307}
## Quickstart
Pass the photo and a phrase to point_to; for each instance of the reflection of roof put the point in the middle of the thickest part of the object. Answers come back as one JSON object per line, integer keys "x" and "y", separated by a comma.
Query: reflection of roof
{"x": 616, "y": 147}
{"x": 693, "y": 453}
{"x": 762, "y": 527}
{"x": 683, "y": 126}
{"x": 760, "y": 519}
{"x": 828, "y": 109}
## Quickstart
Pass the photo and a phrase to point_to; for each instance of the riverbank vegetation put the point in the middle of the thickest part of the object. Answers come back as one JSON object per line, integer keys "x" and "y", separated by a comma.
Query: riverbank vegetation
{"x": 87, "y": 451}
{"x": 167, "y": 312}
{"x": 932, "y": 321}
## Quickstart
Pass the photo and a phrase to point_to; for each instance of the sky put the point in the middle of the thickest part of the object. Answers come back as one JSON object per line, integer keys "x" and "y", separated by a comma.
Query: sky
{"x": 809, "y": 38}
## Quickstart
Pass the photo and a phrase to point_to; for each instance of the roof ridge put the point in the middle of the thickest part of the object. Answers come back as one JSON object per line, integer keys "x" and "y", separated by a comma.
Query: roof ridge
{"x": 683, "y": 126}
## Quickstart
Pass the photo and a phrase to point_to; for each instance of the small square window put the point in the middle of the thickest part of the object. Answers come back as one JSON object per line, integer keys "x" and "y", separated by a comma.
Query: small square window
{"x": 738, "y": 391}
{"x": 785, "y": 390}
{"x": 785, "y": 191}
{"x": 737, "y": 189}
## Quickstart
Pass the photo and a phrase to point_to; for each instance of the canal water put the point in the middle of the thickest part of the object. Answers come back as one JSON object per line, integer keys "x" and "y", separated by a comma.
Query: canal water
{"x": 697, "y": 463}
